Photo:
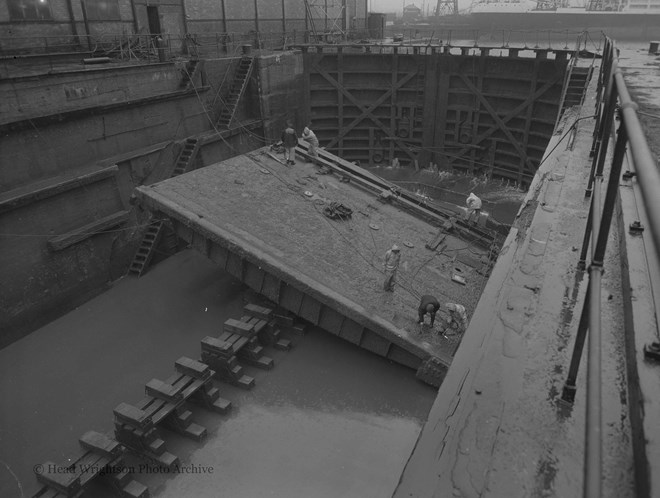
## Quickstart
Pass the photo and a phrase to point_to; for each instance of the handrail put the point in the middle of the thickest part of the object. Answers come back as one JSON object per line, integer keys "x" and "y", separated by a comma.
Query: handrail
{"x": 629, "y": 135}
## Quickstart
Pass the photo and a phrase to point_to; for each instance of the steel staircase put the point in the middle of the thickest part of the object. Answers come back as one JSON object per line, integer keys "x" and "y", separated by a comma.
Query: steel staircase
{"x": 576, "y": 86}
{"x": 147, "y": 247}
{"x": 186, "y": 156}
{"x": 193, "y": 68}
{"x": 157, "y": 228}
{"x": 236, "y": 92}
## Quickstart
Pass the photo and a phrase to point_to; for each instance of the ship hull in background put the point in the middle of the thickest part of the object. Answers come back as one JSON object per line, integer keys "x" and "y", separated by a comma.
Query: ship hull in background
{"x": 545, "y": 25}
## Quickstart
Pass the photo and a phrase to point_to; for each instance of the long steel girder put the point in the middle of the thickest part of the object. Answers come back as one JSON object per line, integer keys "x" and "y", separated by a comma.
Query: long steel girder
{"x": 367, "y": 112}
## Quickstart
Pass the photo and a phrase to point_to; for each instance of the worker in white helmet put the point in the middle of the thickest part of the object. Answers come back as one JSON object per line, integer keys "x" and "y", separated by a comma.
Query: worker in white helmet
{"x": 473, "y": 204}
{"x": 457, "y": 321}
{"x": 392, "y": 259}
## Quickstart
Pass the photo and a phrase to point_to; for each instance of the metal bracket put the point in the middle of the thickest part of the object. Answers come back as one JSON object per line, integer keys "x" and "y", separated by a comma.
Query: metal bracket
{"x": 636, "y": 228}
{"x": 652, "y": 351}
{"x": 628, "y": 175}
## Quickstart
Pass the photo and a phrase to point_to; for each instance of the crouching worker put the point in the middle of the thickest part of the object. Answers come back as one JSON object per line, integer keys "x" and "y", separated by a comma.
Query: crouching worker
{"x": 430, "y": 305}
{"x": 457, "y": 321}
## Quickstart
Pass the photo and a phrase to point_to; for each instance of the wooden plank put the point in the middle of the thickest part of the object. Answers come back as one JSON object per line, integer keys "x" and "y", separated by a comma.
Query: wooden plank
{"x": 150, "y": 405}
{"x": 166, "y": 409}
{"x": 192, "y": 367}
{"x": 193, "y": 387}
{"x": 238, "y": 327}
{"x": 89, "y": 466}
{"x": 68, "y": 239}
{"x": 131, "y": 415}
{"x": 217, "y": 346}
{"x": 159, "y": 389}
{"x": 56, "y": 477}
{"x": 258, "y": 311}
{"x": 95, "y": 441}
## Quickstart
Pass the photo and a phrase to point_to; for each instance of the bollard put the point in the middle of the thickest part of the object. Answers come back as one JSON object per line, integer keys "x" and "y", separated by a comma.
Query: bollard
{"x": 247, "y": 50}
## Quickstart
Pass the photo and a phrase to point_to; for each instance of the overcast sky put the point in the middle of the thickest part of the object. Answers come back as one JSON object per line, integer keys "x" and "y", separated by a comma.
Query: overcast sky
{"x": 397, "y": 5}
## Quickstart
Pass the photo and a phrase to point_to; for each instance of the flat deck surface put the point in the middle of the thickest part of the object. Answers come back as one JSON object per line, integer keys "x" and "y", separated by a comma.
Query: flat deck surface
{"x": 279, "y": 209}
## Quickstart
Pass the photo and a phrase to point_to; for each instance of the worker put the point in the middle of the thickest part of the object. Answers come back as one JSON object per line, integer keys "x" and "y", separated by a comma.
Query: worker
{"x": 430, "y": 305}
{"x": 289, "y": 140}
{"x": 310, "y": 137}
{"x": 473, "y": 204}
{"x": 457, "y": 321}
{"x": 392, "y": 259}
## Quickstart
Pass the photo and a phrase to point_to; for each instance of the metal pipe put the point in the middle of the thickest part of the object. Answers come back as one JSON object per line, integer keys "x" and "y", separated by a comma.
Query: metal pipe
{"x": 568, "y": 393}
{"x": 648, "y": 177}
{"x": 593, "y": 429}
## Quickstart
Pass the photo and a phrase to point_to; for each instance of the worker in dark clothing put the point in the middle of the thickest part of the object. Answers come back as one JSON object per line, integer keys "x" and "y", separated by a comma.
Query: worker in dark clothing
{"x": 289, "y": 140}
{"x": 430, "y": 305}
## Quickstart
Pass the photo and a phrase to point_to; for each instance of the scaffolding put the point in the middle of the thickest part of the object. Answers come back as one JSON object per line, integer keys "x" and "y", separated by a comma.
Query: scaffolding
{"x": 332, "y": 12}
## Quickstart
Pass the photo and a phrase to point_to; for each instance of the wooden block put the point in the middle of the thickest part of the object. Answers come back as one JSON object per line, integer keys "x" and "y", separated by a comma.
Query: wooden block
{"x": 284, "y": 321}
{"x": 265, "y": 362}
{"x": 221, "y": 405}
{"x": 238, "y": 327}
{"x": 195, "y": 431}
{"x": 437, "y": 239}
{"x": 167, "y": 459}
{"x": 157, "y": 446}
{"x": 258, "y": 325}
{"x": 283, "y": 344}
{"x": 100, "y": 443}
{"x": 217, "y": 346}
{"x": 131, "y": 415}
{"x": 258, "y": 311}
{"x": 135, "y": 489}
{"x": 191, "y": 367}
{"x": 161, "y": 390}
{"x": 122, "y": 478}
{"x": 58, "y": 477}
{"x": 185, "y": 418}
{"x": 47, "y": 492}
{"x": 246, "y": 382}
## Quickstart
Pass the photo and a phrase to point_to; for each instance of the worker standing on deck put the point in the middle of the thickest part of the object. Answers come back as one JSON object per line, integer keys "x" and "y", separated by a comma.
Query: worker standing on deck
{"x": 289, "y": 140}
{"x": 430, "y": 305}
{"x": 310, "y": 137}
{"x": 473, "y": 207}
{"x": 457, "y": 321}
{"x": 392, "y": 259}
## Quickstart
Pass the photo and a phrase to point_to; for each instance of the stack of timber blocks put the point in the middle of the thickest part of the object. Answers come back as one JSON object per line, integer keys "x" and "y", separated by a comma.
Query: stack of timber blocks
{"x": 121, "y": 481}
{"x": 251, "y": 352}
{"x": 180, "y": 419}
{"x": 208, "y": 395}
{"x": 219, "y": 355}
{"x": 267, "y": 325}
{"x": 136, "y": 430}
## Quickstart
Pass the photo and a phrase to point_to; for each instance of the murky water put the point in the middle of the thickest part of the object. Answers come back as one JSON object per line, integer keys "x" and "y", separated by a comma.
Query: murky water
{"x": 329, "y": 420}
